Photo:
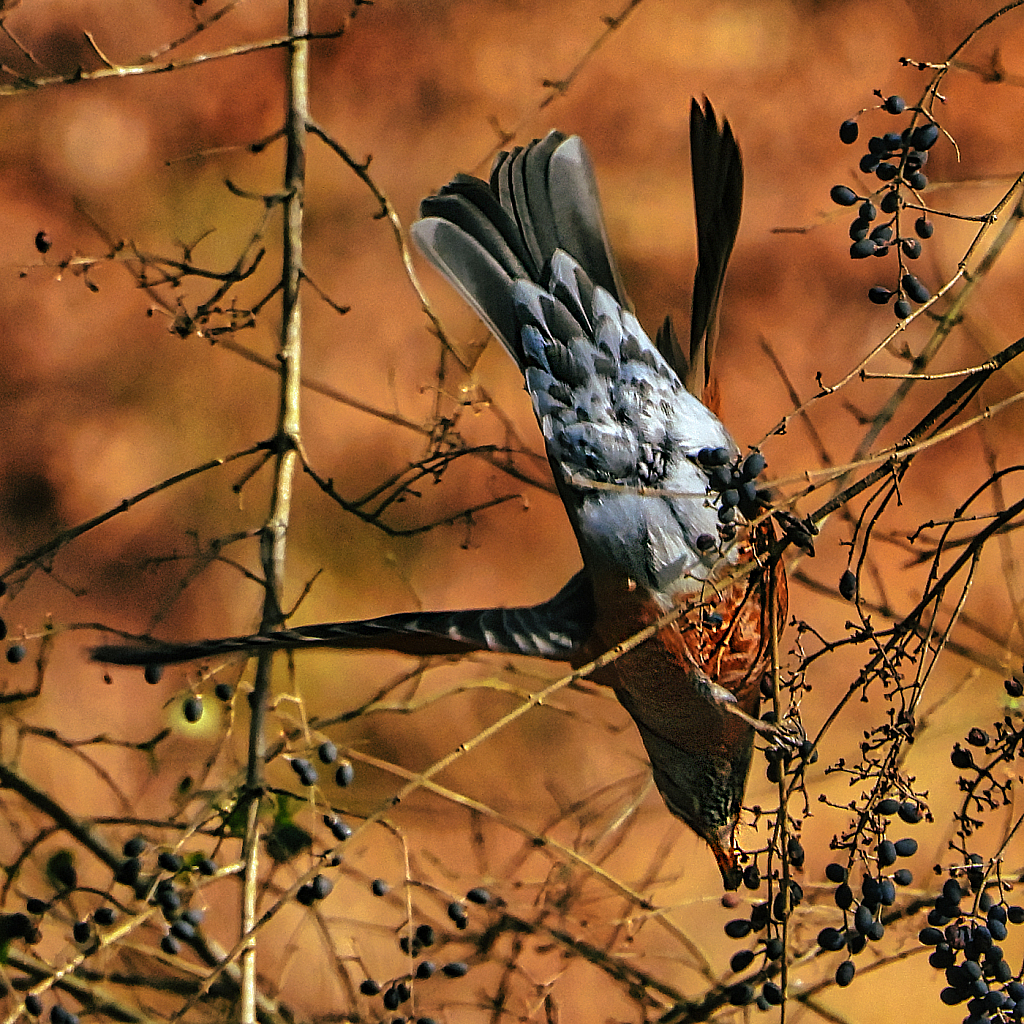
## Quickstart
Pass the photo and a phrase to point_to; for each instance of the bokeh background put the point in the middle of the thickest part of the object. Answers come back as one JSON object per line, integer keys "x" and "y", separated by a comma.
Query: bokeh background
{"x": 102, "y": 399}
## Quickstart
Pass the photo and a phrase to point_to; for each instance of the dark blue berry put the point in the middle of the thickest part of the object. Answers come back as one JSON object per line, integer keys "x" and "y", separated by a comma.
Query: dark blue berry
{"x": 153, "y": 674}
{"x": 321, "y": 886}
{"x": 741, "y": 995}
{"x": 911, "y": 248}
{"x": 890, "y": 202}
{"x": 879, "y": 296}
{"x": 844, "y": 973}
{"x": 871, "y": 891}
{"x": 192, "y": 709}
{"x": 906, "y": 847}
{"x": 844, "y": 897}
{"x": 885, "y": 172}
{"x": 304, "y": 769}
{"x": 902, "y": 309}
{"x": 831, "y": 939}
{"x": 895, "y": 105}
{"x": 338, "y": 828}
{"x": 15, "y": 655}
{"x": 379, "y": 887}
{"x": 327, "y": 752}
{"x": 842, "y": 195}
{"x": 914, "y": 289}
{"x": 134, "y": 846}
{"x": 953, "y": 996}
{"x": 848, "y": 132}
{"x": 710, "y": 457}
{"x": 170, "y": 861}
{"x": 738, "y": 928}
{"x": 741, "y": 961}
{"x": 925, "y": 136}
{"x": 924, "y": 227}
{"x": 835, "y": 872}
{"x": 753, "y": 466}
{"x": 865, "y": 247}
{"x": 859, "y": 229}
{"x": 862, "y": 919}
{"x": 795, "y": 852}
{"x": 457, "y": 969}
{"x": 369, "y": 987}
{"x": 910, "y": 812}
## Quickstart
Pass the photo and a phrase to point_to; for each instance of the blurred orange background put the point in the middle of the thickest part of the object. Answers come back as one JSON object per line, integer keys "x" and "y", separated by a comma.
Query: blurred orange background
{"x": 102, "y": 400}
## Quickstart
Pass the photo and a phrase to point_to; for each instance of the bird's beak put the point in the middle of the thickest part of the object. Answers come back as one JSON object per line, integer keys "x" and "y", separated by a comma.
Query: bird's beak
{"x": 722, "y": 847}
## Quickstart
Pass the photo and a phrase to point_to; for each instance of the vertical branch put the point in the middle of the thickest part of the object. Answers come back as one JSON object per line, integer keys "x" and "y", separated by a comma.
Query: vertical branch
{"x": 274, "y": 534}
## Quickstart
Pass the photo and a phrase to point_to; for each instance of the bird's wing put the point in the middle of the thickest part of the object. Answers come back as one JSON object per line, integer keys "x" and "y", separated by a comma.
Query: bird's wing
{"x": 530, "y": 253}
{"x": 555, "y": 630}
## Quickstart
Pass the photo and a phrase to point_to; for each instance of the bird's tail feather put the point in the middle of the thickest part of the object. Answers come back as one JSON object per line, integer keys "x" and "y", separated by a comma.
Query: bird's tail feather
{"x": 555, "y": 630}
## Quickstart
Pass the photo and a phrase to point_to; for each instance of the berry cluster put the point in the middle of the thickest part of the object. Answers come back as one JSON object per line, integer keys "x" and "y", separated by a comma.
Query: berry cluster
{"x": 397, "y": 991}
{"x": 306, "y": 771}
{"x": 735, "y": 483}
{"x": 764, "y": 917}
{"x": 967, "y": 947}
{"x": 862, "y": 915}
{"x": 896, "y": 159}
{"x": 159, "y": 887}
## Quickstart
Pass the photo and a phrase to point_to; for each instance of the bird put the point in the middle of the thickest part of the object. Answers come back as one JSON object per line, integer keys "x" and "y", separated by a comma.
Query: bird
{"x": 666, "y": 510}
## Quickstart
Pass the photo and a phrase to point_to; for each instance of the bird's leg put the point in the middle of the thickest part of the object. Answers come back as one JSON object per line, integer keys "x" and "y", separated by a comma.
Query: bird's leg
{"x": 787, "y": 735}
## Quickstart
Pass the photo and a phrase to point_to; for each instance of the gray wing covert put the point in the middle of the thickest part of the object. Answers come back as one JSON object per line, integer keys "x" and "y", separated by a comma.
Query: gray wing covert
{"x": 530, "y": 253}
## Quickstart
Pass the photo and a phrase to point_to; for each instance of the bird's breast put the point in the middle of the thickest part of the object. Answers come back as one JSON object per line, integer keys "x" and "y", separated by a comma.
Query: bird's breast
{"x": 673, "y": 681}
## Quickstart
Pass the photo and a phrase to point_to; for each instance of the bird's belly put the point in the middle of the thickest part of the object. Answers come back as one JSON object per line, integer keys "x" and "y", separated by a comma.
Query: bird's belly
{"x": 676, "y": 682}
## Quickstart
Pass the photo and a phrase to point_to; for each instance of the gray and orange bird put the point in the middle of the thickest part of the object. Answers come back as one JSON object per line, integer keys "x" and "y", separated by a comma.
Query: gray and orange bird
{"x": 665, "y": 510}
